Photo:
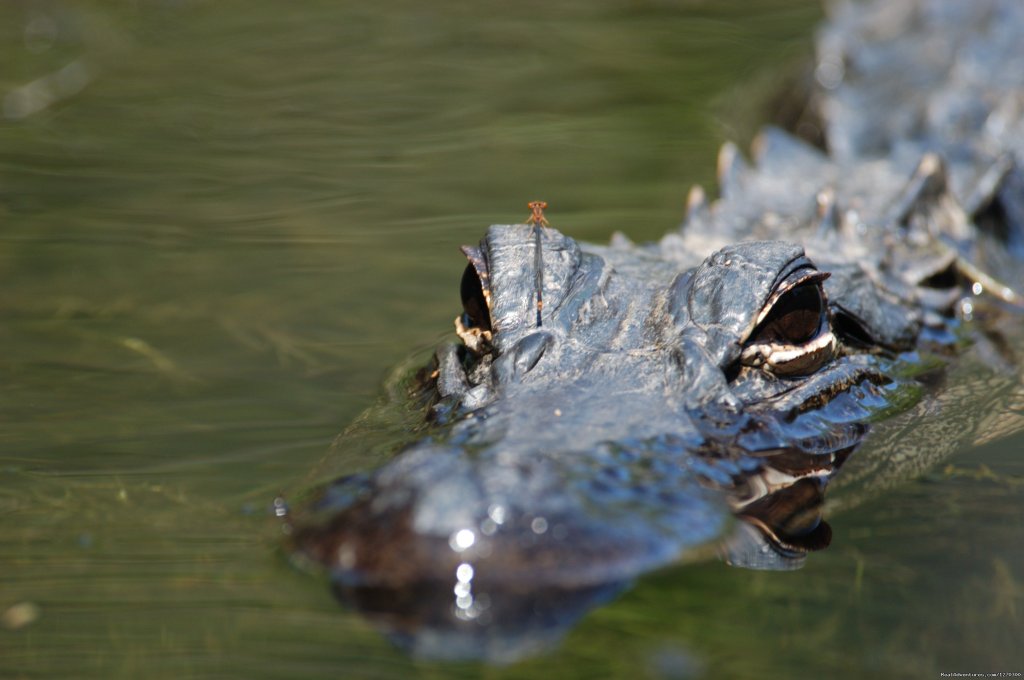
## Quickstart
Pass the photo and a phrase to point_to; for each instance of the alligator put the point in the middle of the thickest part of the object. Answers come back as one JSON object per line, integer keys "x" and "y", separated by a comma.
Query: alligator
{"x": 606, "y": 410}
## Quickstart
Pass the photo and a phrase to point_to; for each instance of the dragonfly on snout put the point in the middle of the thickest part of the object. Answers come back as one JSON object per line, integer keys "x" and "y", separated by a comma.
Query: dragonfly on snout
{"x": 538, "y": 220}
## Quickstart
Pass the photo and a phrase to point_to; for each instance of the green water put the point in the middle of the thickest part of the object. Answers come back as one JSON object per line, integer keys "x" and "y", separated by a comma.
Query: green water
{"x": 222, "y": 223}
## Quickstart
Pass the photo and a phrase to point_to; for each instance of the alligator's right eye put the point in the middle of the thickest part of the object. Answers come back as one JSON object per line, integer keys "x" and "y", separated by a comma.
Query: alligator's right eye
{"x": 795, "y": 318}
{"x": 792, "y": 334}
{"x": 474, "y": 302}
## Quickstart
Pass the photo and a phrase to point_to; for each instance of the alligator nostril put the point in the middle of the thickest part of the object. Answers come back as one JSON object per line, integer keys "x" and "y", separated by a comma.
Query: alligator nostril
{"x": 521, "y": 359}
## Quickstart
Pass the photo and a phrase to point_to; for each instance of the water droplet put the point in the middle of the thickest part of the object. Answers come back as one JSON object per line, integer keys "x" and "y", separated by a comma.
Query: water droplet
{"x": 829, "y": 74}
{"x": 462, "y": 539}
{"x": 496, "y": 513}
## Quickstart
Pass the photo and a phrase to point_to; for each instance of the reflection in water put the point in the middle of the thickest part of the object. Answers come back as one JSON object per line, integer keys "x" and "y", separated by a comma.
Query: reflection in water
{"x": 784, "y": 523}
{"x": 495, "y": 624}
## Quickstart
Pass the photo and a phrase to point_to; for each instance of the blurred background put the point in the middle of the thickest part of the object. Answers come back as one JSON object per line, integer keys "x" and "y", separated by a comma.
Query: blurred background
{"x": 222, "y": 223}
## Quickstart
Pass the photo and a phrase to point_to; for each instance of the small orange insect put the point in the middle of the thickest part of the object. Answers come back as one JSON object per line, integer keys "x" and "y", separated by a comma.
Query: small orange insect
{"x": 538, "y": 220}
{"x": 537, "y": 213}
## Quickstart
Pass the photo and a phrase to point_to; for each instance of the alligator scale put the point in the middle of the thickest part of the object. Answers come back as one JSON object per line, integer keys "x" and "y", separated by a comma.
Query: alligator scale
{"x": 608, "y": 410}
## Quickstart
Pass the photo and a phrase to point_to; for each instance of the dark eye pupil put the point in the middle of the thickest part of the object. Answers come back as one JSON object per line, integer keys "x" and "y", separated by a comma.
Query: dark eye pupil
{"x": 473, "y": 302}
{"x": 795, "y": 317}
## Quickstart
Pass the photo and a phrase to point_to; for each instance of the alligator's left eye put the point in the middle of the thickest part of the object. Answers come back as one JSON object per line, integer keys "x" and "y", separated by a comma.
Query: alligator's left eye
{"x": 792, "y": 334}
{"x": 474, "y": 301}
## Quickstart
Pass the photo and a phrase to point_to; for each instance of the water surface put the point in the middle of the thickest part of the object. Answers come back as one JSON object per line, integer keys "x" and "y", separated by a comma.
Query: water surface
{"x": 221, "y": 225}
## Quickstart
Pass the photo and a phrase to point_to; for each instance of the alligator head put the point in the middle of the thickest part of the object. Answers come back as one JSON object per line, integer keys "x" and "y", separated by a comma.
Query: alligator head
{"x": 654, "y": 404}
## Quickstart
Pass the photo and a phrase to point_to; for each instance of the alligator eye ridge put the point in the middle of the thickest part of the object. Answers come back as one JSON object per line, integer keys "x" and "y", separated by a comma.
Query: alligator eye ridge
{"x": 792, "y": 336}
